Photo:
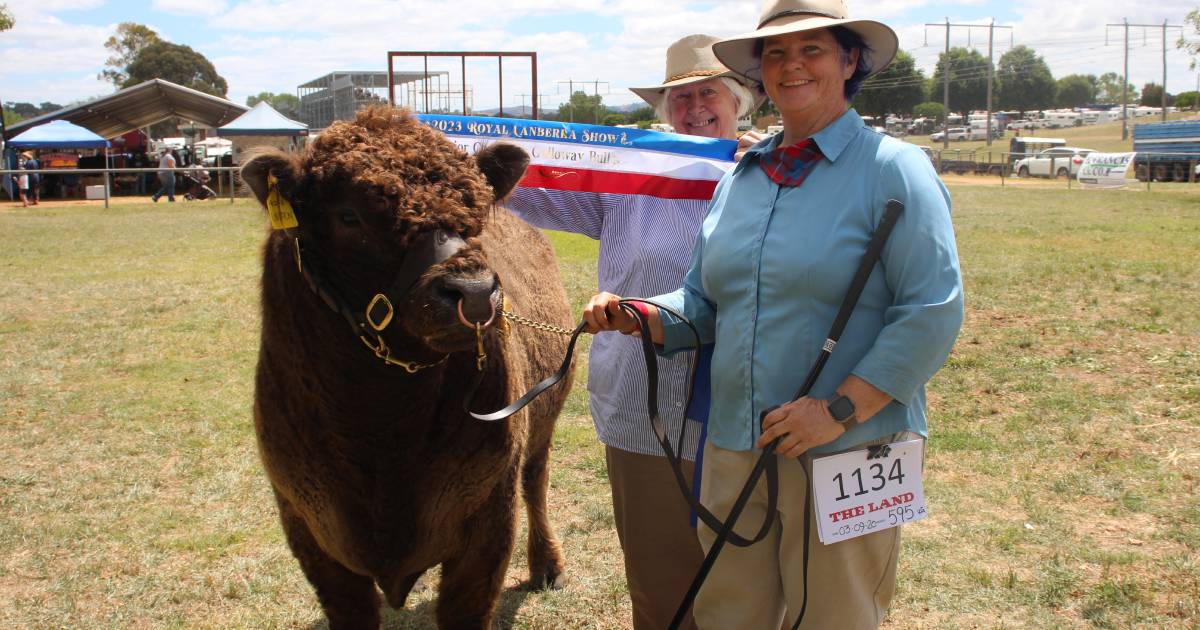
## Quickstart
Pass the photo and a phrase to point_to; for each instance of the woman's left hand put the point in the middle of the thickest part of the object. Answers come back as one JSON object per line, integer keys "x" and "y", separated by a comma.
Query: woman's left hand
{"x": 803, "y": 423}
{"x": 745, "y": 141}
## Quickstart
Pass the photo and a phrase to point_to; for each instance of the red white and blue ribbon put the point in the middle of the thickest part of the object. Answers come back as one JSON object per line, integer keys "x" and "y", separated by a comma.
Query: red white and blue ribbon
{"x": 598, "y": 159}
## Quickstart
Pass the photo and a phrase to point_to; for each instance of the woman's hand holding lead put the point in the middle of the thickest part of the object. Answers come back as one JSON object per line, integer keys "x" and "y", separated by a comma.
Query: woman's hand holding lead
{"x": 603, "y": 312}
{"x": 803, "y": 424}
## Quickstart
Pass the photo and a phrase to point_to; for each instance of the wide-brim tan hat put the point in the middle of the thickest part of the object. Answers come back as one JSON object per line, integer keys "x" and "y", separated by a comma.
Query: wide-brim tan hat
{"x": 780, "y": 17}
{"x": 27, "y": 155}
{"x": 691, "y": 60}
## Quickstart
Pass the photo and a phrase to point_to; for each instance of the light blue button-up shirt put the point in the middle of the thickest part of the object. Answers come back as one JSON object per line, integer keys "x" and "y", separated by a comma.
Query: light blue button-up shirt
{"x": 772, "y": 265}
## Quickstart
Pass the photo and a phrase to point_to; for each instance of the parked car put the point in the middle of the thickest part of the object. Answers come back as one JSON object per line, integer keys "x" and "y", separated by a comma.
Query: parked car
{"x": 955, "y": 133}
{"x": 1021, "y": 124}
{"x": 1053, "y": 162}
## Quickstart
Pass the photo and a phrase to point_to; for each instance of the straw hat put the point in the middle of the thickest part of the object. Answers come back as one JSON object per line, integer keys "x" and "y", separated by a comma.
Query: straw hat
{"x": 689, "y": 60}
{"x": 792, "y": 16}
{"x": 27, "y": 155}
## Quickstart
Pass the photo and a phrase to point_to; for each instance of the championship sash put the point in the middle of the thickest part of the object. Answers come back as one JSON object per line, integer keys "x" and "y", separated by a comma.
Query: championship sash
{"x": 574, "y": 157}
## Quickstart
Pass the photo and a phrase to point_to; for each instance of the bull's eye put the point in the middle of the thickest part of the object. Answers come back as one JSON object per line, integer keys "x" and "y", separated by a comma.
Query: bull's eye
{"x": 349, "y": 219}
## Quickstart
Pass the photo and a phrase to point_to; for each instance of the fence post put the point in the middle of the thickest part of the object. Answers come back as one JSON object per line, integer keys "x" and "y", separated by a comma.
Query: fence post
{"x": 107, "y": 192}
{"x": 230, "y": 185}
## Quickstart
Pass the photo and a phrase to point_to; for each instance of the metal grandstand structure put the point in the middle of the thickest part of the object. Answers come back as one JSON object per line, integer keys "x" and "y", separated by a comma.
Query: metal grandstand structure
{"x": 339, "y": 95}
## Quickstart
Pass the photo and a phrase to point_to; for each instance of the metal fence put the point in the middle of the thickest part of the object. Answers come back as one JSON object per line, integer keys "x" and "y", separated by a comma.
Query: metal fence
{"x": 226, "y": 178}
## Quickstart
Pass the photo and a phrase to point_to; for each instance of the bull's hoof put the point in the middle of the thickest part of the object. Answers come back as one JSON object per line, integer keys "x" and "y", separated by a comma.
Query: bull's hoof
{"x": 553, "y": 581}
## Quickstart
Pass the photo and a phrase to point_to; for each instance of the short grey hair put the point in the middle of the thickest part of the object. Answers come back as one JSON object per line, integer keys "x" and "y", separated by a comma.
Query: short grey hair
{"x": 741, "y": 96}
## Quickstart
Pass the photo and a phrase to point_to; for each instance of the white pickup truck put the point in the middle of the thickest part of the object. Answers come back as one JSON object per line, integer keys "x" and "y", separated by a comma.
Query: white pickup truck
{"x": 1053, "y": 162}
{"x": 960, "y": 133}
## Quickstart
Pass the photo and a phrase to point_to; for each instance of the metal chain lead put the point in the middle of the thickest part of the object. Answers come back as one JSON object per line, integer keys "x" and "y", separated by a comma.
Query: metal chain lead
{"x": 525, "y": 321}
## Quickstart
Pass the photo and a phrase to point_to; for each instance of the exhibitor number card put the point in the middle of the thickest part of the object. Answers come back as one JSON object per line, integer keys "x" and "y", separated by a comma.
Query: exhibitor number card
{"x": 866, "y": 491}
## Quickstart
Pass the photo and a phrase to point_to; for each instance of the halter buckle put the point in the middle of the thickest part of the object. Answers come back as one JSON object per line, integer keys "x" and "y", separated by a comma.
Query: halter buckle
{"x": 387, "y": 316}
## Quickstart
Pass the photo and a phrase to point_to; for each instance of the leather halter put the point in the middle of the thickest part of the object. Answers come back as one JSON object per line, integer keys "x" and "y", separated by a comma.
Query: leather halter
{"x": 368, "y": 324}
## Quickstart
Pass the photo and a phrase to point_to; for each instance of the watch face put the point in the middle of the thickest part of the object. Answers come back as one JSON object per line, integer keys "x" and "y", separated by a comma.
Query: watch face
{"x": 841, "y": 408}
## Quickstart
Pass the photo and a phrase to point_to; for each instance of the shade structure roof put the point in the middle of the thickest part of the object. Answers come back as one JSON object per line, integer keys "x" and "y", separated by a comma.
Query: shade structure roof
{"x": 140, "y": 106}
{"x": 263, "y": 120}
{"x": 57, "y": 134}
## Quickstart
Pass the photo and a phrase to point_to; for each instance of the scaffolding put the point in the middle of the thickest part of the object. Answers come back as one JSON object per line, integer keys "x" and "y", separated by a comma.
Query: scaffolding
{"x": 431, "y": 91}
{"x": 339, "y": 95}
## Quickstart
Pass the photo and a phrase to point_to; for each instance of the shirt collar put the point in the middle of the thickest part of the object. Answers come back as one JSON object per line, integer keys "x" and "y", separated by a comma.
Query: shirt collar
{"x": 832, "y": 140}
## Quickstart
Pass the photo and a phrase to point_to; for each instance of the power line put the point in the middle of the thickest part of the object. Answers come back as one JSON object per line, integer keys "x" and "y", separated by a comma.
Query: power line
{"x": 991, "y": 27}
{"x": 1125, "y": 82}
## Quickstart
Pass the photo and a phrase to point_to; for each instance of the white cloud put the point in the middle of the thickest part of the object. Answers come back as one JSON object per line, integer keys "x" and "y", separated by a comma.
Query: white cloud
{"x": 46, "y": 57}
{"x": 197, "y": 8}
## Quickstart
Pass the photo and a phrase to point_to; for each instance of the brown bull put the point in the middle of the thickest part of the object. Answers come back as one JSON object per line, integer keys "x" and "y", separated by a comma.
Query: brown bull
{"x": 378, "y": 472}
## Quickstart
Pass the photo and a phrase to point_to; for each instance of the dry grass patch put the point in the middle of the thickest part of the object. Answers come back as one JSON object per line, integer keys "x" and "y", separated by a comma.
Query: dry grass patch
{"x": 1062, "y": 466}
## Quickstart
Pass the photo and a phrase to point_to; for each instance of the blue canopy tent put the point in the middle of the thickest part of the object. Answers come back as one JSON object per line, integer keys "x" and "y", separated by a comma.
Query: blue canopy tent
{"x": 56, "y": 134}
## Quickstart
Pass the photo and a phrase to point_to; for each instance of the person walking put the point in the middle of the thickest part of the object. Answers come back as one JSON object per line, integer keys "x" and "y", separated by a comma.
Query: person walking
{"x": 166, "y": 176}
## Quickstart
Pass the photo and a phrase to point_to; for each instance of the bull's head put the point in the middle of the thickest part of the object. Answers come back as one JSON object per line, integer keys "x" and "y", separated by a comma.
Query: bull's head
{"x": 387, "y": 207}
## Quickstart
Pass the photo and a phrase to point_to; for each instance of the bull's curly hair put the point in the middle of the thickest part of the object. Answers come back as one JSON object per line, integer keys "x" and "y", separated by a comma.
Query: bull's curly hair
{"x": 403, "y": 167}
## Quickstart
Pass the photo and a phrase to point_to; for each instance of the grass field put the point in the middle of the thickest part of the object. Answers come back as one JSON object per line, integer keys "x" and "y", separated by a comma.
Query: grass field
{"x": 1063, "y": 465}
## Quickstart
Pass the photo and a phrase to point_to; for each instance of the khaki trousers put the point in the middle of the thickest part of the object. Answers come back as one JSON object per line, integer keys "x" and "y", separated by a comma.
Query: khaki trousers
{"x": 850, "y": 583}
{"x": 662, "y": 553}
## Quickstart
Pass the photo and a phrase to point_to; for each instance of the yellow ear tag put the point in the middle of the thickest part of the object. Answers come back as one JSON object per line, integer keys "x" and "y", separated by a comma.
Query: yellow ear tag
{"x": 278, "y": 207}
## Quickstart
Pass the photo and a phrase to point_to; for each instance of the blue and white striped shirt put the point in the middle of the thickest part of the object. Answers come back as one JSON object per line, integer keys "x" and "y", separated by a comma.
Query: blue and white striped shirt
{"x": 645, "y": 248}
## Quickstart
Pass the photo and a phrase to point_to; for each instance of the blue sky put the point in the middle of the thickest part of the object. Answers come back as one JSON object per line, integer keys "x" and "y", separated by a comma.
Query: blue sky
{"x": 56, "y": 49}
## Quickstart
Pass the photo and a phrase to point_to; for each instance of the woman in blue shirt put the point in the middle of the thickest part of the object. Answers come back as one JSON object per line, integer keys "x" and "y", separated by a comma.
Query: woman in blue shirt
{"x": 784, "y": 233}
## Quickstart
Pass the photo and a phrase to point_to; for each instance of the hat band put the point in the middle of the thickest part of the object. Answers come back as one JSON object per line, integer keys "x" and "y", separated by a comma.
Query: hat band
{"x": 791, "y": 12}
{"x": 694, "y": 73}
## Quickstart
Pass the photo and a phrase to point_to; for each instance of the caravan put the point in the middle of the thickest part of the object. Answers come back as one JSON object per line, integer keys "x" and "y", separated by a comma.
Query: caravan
{"x": 1060, "y": 119}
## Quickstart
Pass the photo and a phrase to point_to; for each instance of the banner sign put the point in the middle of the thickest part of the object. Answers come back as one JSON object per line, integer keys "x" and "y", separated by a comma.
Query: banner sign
{"x": 1105, "y": 170}
{"x": 598, "y": 159}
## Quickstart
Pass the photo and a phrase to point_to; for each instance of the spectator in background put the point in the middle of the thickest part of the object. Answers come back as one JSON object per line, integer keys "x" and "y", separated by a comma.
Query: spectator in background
{"x": 21, "y": 181}
{"x": 166, "y": 175}
{"x": 35, "y": 179}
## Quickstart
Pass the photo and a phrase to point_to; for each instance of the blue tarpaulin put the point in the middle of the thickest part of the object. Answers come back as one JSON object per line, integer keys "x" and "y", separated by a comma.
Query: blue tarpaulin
{"x": 263, "y": 120}
{"x": 57, "y": 134}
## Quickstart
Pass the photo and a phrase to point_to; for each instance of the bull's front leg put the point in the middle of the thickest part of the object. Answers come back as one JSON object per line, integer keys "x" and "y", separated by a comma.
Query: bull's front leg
{"x": 349, "y": 600}
{"x": 544, "y": 551}
{"x": 471, "y": 583}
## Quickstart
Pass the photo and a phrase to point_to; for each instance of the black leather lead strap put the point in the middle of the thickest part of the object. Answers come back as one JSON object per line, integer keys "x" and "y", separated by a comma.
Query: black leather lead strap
{"x": 675, "y": 459}
{"x": 520, "y": 403}
{"x": 866, "y": 265}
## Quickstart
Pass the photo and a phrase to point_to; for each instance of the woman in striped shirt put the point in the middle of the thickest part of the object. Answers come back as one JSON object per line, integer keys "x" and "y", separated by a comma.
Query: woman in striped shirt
{"x": 645, "y": 246}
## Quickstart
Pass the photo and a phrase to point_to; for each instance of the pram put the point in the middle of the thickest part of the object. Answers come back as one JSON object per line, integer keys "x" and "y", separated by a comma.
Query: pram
{"x": 193, "y": 184}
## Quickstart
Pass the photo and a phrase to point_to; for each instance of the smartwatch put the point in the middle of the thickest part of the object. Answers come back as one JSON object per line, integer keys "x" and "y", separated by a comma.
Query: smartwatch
{"x": 842, "y": 410}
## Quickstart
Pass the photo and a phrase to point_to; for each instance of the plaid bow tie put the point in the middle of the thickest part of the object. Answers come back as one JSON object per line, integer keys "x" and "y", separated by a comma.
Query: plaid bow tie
{"x": 788, "y": 166}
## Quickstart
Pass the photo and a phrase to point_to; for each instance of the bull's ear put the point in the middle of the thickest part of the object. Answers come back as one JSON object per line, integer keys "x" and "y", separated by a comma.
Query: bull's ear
{"x": 504, "y": 165}
{"x": 282, "y": 166}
